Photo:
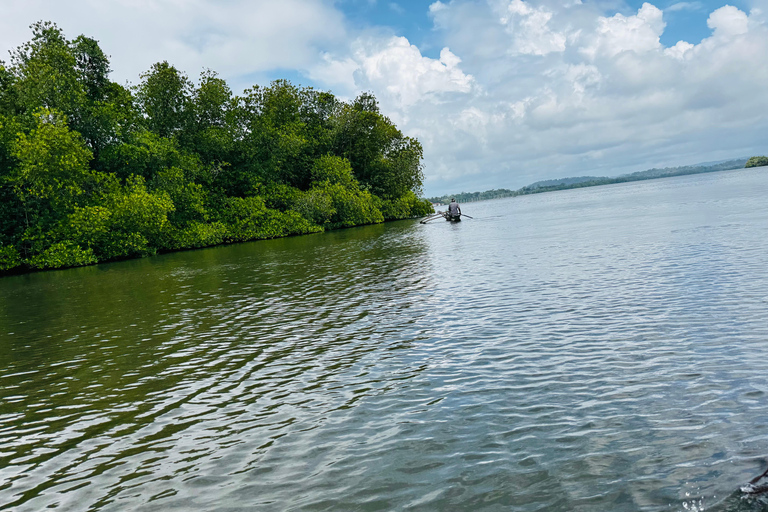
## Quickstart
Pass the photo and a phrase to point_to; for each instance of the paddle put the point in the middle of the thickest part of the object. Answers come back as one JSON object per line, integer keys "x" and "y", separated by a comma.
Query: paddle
{"x": 757, "y": 478}
{"x": 431, "y": 217}
{"x": 751, "y": 488}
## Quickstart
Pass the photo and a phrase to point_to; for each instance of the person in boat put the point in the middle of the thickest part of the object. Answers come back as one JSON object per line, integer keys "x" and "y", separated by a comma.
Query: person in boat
{"x": 454, "y": 210}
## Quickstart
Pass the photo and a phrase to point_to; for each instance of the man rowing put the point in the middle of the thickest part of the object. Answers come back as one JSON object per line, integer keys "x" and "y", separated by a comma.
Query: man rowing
{"x": 454, "y": 210}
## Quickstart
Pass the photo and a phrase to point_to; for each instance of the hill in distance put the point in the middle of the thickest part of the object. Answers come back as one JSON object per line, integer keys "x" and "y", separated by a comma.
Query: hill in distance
{"x": 593, "y": 181}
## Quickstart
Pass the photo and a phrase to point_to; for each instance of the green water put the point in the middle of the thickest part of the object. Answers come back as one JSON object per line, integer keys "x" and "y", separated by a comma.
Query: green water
{"x": 594, "y": 349}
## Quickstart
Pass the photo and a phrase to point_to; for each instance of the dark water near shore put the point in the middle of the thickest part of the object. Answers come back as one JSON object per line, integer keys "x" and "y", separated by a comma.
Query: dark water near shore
{"x": 593, "y": 349}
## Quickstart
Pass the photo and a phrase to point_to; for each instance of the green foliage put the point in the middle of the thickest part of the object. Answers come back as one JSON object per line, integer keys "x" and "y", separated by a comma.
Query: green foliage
{"x": 353, "y": 207}
{"x": 348, "y": 206}
{"x": 421, "y": 207}
{"x": 8, "y": 130}
{"x": 334, "y": 170}
{"x": 140, "y": 213}
{"x": 280, "y": 196}
{"x": 93, "y": 171}
{"x": 401, "y": 171}
{"x": 133, "y": 222}
{"x": 12, "y": 221}
{"x": 382, "y": 158}
{"x": 62, "y": 255}
{"x": 50, "y": 178}
{"x": 405, "y": 207}
{"x": 276, "y": 146}
{"x": 71, "y": 77}
{"x": 316, "y": 205}
{"x": 335, "y": 199}
{"x": 195, "y": 234}
{"x": 9, "y": 100}
{"x": 146, "y": 154}
{"x": 757, "y": 161}
{"x": 46, "y": 74}
{"x": 53, "y": 161}
{"x": 164, "y": 96}
{"x": 211, "y": 130}
{"x": 92, "y": 66}
{"x": 88, "y": 226}
{"x": 9, "y": 257}
{"x": 212, "y": 101}
{"x": 249, "y": 219}
{"x": 188, "y": 198}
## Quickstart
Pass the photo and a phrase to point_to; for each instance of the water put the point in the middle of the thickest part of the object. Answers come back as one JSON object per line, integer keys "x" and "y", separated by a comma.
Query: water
{"x": 592, "y": 349}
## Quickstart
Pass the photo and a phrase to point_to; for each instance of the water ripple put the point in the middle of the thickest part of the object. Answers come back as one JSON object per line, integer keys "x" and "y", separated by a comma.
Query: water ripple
{"x": 597, "y": 349}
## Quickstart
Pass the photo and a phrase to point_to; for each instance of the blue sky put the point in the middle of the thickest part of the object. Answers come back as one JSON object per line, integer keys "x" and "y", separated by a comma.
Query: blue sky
{"x": 686, "y": 20}
{"x": 410, "y": 19}
{"x": 501, "y": 93}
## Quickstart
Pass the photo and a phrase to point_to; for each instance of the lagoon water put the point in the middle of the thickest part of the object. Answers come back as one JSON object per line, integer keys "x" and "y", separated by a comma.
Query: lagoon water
{"x": 599, "y": 349}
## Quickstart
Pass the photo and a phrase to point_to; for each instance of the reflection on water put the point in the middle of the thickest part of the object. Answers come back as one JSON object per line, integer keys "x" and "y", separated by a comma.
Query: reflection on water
{"x": 593, "y": 349}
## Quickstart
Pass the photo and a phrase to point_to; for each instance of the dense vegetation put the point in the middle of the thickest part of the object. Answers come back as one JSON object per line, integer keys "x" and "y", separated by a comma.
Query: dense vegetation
{"x": 94, "y": 171}
{"x": 593, "y": 181}
{"x": 757, "y": 161}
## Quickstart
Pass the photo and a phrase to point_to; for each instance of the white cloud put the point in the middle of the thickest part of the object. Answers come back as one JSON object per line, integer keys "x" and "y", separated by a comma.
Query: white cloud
{"x": 728, "y": 21}
{"x": 530, "y": 29}
{"x": 685, "y": 6}
{"x": 437, "y": 6}
{"x": 639, "y": 33}
{"x": 236, "y": 38}
{"x": 679, "y": 51}
{"x": 397, "y": 8}
{"x": 398, "y": 72}
{"x": 337, "y": 74}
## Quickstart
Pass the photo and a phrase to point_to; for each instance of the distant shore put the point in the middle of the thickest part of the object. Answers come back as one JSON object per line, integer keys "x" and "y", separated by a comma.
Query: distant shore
{"x": 594, "y": 181}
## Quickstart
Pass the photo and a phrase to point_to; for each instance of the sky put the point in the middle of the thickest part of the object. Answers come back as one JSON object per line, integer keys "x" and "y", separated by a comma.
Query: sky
{"x": 501, "y": 93}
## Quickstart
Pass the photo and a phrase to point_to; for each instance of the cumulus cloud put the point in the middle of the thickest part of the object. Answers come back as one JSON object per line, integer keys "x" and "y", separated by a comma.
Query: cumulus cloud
{"x": 398, "y": 71}
{"x": 530, "y": 28}
{"x": 639, "y": 33}
{"x": 679, "y": 51}
{"x": 728, "y": 21}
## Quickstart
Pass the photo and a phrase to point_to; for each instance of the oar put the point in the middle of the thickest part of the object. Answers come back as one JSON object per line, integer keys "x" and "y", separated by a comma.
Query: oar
{"x": 757, "y": 478}
{"x": 431, "y": 217}
{"x": 751, "y": 488}
{"x": 466, "y": 216}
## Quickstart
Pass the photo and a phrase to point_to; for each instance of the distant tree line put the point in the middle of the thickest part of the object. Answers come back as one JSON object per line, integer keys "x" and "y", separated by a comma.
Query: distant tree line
{"x": 593, "y": 181}
{"x": 757, "y": 161}
{"x": 92, "y": 171}
{"x": 469, "y": 197}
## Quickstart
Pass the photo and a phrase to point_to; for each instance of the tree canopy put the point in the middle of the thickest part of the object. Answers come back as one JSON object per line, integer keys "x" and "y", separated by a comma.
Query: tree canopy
{"x": 94, "y": 171}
